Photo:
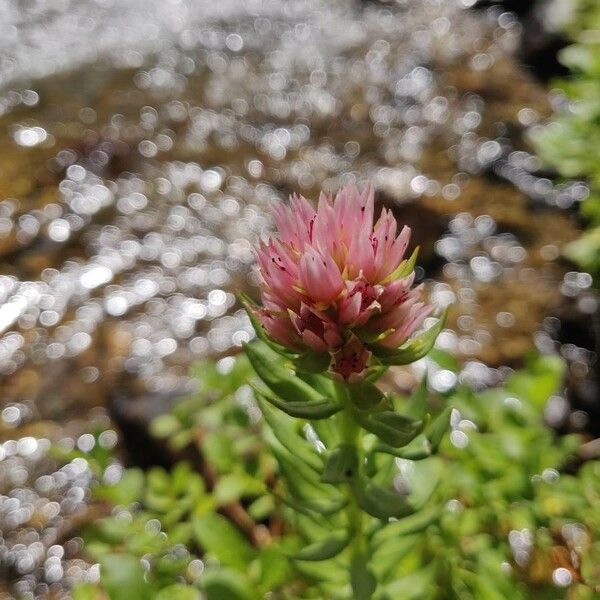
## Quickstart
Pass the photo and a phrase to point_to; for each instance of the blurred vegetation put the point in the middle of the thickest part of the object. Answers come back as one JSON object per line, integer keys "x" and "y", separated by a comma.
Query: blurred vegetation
{"x": 571, "y": 142}
{"x": 511, "y": 509}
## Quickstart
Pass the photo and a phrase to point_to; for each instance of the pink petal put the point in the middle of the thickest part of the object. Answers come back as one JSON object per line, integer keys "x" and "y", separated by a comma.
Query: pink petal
{"x": 320, "y": 277}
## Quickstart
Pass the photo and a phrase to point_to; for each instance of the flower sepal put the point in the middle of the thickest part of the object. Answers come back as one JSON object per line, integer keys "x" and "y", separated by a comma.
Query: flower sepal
{"x": 251, "y": 309}
{"x": 405, "y": 268}
{"x": 412, "y": 350}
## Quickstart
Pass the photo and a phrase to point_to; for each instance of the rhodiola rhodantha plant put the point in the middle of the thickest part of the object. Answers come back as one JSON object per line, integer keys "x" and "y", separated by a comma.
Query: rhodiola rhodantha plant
{"x": 338, "y": 308}
{"x": 334, "y": 282}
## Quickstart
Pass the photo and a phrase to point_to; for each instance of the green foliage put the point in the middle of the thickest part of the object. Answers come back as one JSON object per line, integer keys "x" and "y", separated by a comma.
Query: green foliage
{"x": 501, "y": 471}
{"x": 570, "y": 143}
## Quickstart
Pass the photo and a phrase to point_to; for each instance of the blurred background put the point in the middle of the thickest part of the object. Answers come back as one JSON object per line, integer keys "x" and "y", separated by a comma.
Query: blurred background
{"x": 141, "y": 142}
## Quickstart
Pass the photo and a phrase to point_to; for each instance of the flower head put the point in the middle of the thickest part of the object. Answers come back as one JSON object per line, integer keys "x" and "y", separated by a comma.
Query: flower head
{"x": 333, "y": 281}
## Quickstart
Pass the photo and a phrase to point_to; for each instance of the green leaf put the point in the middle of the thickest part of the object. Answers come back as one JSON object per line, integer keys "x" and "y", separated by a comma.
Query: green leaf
{"x": 227, "y": 584}
{"x": 128, "y": 489}
{"x": 361, "y": 578}
{"x": 412, "y": 350}
{"x": 590, "y": 565}
{"x": 422, "y": 478}
{"x": 249, "y": 306}
{"x": 341, "y": 465}
{"x": 286, "y": 385}
{"x": 444, "y": 359}
{"x": 308, "y": 505}
{"x": 178, "y": 591}
{"x": 123, "y": 577}
{"x": 408, "y": 525}
{"x": 541, "y": 379}
{"x": 320, "y": 382}
{"x": 86, "y": 591}
{"x": 414, "y": 586}
{"x": 379, "y": 501}
{"x": 274, "y": 567}
{"x": 217, "y": 536}
{"x": 217, "y": 448}
{"x": 325, "y": 572}
{"x": 313, "y": 409}
{"x": 304, "y": 479}
{"x": 417, "y": 403}
{"x": 307, "y": 492}
{"x": 366, "y": 396}
{"x": 326, "y": 548}
{"x": 165, "y": 426}
{"x": 390, "y": 427}
{"x": 233, "y": 486}
{"x": 261, "y": 508}
{"x": 437, "y": 428}
{"x": 387, "y": 556}
{"x": 418, "y": 449}
{"x": 486, "y": 589}
{"x": 312, "y": 362}
{"x": 288, "y": 437}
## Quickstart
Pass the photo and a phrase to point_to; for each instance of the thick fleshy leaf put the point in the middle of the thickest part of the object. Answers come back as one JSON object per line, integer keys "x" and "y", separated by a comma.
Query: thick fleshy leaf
{"x": 367, "y": 397}
{"x": 310, "y": 505}
{"x": 279, "y": 379}
{"x": 312, "y": 362}
{"x": 412, "y": 587}
{"x": 304, "y": 485}
{"x": 179, "y": 591}
{"x": 314, "y": 409}
{"x": 390, "y": 427}
{"x": 227, "y": 584}
{"x": 417, "y": 403}
{"x": 219, "y": 538}
{"x": 123, "y": 577}
{"x": 412, "y": 350}
{"x": 409, "y": 525}
{"x": 320, "y": 382}
{"x": 418, "y": 449}
{"x": 326, "y": 548}
{"x": 387, "y": 556}
{"x": 341, "y": 465}
{"x": 274, "y": 568}
{"x": 288, "y": 437}
{"x": 380, "y": 502}
{"x": 438, "y": 427}
{"x": 422, "y": 479}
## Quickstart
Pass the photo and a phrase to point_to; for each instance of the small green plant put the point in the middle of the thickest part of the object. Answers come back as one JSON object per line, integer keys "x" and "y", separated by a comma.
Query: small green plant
{"x": 499, "y": 476}
{"x": 570, "y": 142}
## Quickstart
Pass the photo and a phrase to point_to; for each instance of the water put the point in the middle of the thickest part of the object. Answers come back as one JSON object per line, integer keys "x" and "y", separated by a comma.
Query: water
{"x": 140, "y": 146}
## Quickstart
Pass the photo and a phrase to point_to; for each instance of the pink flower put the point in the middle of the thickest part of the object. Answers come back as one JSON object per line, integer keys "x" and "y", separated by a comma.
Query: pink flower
{"x": 329, "y": 280}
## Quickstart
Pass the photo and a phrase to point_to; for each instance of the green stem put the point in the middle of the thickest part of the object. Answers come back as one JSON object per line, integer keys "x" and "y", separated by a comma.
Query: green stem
{"x": 351, "y": 434}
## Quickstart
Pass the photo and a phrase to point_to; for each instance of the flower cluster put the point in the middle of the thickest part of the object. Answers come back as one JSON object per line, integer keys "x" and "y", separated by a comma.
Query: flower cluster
{"x": 333, "y": 281}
